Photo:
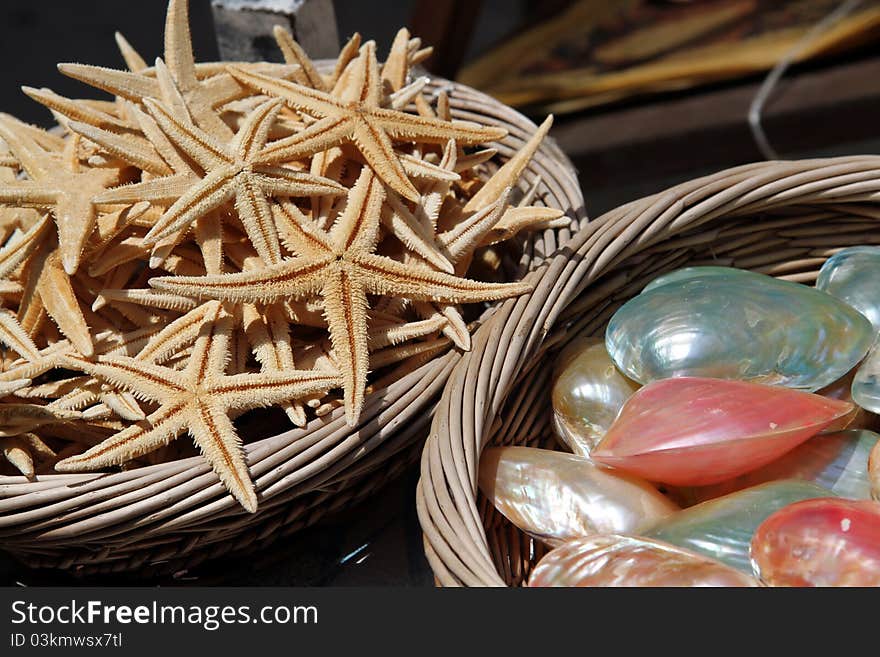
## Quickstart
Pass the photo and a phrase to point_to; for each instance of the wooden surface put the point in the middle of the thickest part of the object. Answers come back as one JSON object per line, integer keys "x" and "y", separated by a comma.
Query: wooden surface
{"x": 705, "y": 130}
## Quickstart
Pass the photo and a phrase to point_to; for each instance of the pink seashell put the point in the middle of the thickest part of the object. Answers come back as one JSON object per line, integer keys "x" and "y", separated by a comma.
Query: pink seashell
{"x": 822, "y": 542}
{"x": 607, "y": 560}
{"x": 691, "y": 431}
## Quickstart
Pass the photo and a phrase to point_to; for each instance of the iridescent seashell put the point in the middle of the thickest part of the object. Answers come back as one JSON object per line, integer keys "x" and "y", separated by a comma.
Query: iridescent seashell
{"x": 686, "y": 273}
{"x": 853, "y": 276}
{"x": 859, "y": 418}
{"x": 588, "y": 391}
{"x": 555, "y": 496}
{"x": 738, "y": 325}
{"x": 874, "y": 471}
{"x": 722, "y": 528}
{"x": 866, "y": 384}
{"x": 692, "y": 431}
{"x": 828, "y": 542}
{"x": 618, "y": 560}
{"x": 836, "y": 461}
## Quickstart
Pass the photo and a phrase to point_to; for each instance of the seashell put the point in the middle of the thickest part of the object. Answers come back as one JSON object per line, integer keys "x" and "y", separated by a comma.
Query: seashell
{"x": 619, "y": 560}
{"x": 827, "y": 542}
{"x": 722, "y": 528}
{"x": 836, "y": 461}
{"x": 853, "y": 276}
{"x": 859, "y": 418}
{"x": 692, "y": 431}
{"x": 588, "y": 392}
{"x": 555, "y": 496}
{"x": 874, "y": 471}
{"x": 686, "y": 273}
{"x": 866, "y": 383}
{"x": 737, "y": 325}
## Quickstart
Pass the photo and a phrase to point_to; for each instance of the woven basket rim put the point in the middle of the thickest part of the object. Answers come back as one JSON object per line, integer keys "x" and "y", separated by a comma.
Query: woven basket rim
{"x": 514, "y": 341}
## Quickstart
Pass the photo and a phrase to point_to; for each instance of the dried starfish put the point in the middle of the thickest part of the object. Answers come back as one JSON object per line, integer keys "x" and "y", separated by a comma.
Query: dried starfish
{"x": 197, "y": 399}
{"x": 342, "y": 268}
{"x": 60, "y": 184}
{"x": 238, "y": 171}
{"x": 361, "y": 121}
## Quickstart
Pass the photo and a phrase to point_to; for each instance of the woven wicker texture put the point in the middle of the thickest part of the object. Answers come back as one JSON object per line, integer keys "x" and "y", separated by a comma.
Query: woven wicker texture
{"x": 779, "y": 218}
{"x": 172, "y": 516}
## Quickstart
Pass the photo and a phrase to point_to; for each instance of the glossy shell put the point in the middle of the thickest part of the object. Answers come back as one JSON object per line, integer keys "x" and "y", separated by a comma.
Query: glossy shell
{"x": 837, "y": 461}
{"x": 555, "y": 496}
{"x": 737, "y": 325}
{"x": 588, "y": 392}
{"x": 866, "y": 384}
{"x": 853, "y": 276}
{"x": 820, "y": 543}
{"x": 691, "y": 431}
{"x": 615, "y": 560}
{"x": 722, "y": 528}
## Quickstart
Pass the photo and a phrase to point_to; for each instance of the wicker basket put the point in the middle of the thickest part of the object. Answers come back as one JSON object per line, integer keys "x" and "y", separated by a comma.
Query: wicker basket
{"x": 779, "y": 218}
{"x": 169, "y": 517}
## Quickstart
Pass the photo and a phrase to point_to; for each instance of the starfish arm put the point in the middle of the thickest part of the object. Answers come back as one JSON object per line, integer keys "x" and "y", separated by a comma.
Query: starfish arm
{"x": 396, "y": 66}
{"x": 413, "y": 233}
{"x": 348, "y": 52}
{"x": 148, "y": 297}
{"x": 299, "y": 233}
{"x": 158, "y": 139}
{"x": 295, "y": 95}
{"x": 128, "y": 148}
{"x": 454, "y": 327}
{"x": 294, "y": 54}
{"x": 254, "y": 132}
{"x": 256, "y": 216}
{"x": 209, "y": 237}
{"x": 189, "y": 138}
{"x": 20, "y": 139}
{"x": 75, "y": 110}
{"x": 209, "y": 193}
{"x": 132, "y": 86}
{"x": 421, "y": 169}
{"x": 510, "y": 171}
{"x": 210, "y": 352}
{"x": 223, "y": 88}
{"x": 14, "y": 336}
{"x": 467, "y": 162}
{"x": 173, "y": 337}
{"x": 143, "y": 437}
{"x": 297, "y": 277}
{"x": 28, "y": 194}
{"x": 59, "y": 299}
{"x": 400, "y": 125}
{"x": 318, "y": 137}
{"x": 386, "y": 276}
{"x": 124, "y": 404}
{"x": 76, "y": 220}
{"x": 132, "y": 58}
{"x": 528, "y": 217}
{"x": 14, "y": 386}
{"x": 147, "y": 381}
{"x": 14, "y": 253}
{"x": 363, "y": 84}
{"x": 345, "y": 309}
{"x": 16, "y": 452}
{"x": 283, "y": 181}
{"x": 379, "y": 153}
{"x": 21, "y": 418}
{"x": 158, "y": 190}
{"x": 405, "y": 95}
{"x": 358, "y": 227}
{"x": 178, "y": 44}
{"x": 247, "y": 391}
{"x": 468, "y": 234}
{"x": 215, "y": 435}
{"x": 398, "y": 332}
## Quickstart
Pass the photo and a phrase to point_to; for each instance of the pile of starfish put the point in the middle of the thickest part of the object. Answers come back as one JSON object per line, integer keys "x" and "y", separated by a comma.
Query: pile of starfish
{"x": 225, "y": 236}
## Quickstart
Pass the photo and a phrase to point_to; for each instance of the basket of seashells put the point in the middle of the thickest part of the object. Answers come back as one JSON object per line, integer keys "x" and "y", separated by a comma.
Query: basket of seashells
{"x": 688, "y": 397}
{"x": 283, "y": 261}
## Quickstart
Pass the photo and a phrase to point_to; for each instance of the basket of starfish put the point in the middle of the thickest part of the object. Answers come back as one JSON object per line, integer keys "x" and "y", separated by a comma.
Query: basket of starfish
{"x": 232, "y": 292}
{"x": 528, "y": 475}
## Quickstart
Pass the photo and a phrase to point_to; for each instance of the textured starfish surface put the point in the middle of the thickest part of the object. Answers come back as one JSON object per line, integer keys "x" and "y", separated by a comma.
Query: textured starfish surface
{"x": 343, "y": 269}
{"x": 221, "y": 237}
{"x": 197, "y": 399}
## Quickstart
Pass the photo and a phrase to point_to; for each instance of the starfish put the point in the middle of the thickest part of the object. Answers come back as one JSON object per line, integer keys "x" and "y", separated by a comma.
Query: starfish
{"x": 343, "y": 269}
{"x": 238, "y": 171}
{"x": 197, "y": 399}
{"x": 60, "y": 185}
{"x": 360, "y": 121}
{"x": 202, "y": 97}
